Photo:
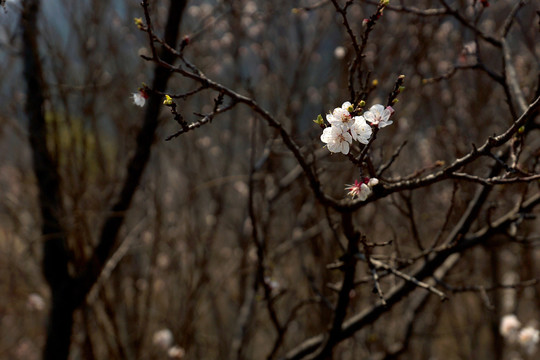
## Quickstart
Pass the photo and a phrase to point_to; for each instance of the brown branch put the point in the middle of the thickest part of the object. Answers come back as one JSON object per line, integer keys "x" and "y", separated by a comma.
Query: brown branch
{"x": 206, "y": 119}
{"x": 198, "y": 76}
{"x": 349, "y": 268}
{"x": 411, "y": 9}
{"x": 406, "y": 277}
{"x": 446, "y": 173}
{"x": 435, "y": 262}
{"x": 494, "y": 181}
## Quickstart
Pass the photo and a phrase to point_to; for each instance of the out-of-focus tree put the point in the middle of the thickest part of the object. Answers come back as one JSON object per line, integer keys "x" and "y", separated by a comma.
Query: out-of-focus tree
{"x": 239, "y": 241}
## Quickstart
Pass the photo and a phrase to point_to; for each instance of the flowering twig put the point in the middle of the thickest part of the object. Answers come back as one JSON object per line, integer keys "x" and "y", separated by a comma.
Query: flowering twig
{"x": 184, "y": 95}
{"x": 206, "y": 118}
{"x": 445, "y": 173}
{"x": 359, "y": 48}
{"x": 398, "y": 88}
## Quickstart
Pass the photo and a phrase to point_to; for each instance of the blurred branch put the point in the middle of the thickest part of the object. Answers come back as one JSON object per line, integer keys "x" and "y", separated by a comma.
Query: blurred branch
{"x": 137, "y": 164}
{"x": 55, "y": 253}
{"x": 418, "y": 305}
{"x": 508, "y": 66}
{"x": 473, "y": 27}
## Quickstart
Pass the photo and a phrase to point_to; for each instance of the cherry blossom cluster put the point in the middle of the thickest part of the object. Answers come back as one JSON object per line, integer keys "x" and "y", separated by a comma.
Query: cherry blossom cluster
{"x": 528, "y": 337}
{"x": 344, "y": 127}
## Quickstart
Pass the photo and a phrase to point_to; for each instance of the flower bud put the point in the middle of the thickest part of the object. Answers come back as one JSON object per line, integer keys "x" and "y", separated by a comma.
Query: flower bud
{"x": 138, "y": 22}
{"x": 168, "y": 100}
{"x": 319, "y": 120}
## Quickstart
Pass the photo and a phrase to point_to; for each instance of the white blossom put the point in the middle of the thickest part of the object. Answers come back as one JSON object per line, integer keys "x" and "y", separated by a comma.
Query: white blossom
{"x": 509, "y": 327}
{"x": 379, "y": 116}
{"x": 35, "y": 302}
{"x": 341, "y": 115}
{"x": 362, "y": 190}
{"x": 528, "y": 338}
{"x": 337, "y": 139}
{"x": 176, "y": 352}
{"x": 163, "y": 339}
{"x": 360, "y": 130}
{"x": 340, "y": 52}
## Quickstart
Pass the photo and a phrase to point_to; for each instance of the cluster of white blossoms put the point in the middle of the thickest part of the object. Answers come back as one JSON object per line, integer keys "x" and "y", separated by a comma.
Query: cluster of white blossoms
{"x": 528, "y": 337}
{"x": 344, "y": 128}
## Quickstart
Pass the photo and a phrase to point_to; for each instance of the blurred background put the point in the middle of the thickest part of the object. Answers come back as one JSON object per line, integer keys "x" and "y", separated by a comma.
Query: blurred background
{"x": 183, "y": 273}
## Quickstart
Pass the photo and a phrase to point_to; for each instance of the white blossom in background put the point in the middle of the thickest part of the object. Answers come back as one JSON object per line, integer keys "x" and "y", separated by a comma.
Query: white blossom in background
{"x": 272, "y": 284}
{"x": 163, "y": 339}
{"x": 360, "y": 130}
{"x": 379, "y": 116}
{"x": 35, "y": 302}
{"x": 528, "y": 338}
{"x": 509, "y": 327}
{"x": 340, "y": 52}
{"x": 139, "y": 98}
{"x": 337, "y": 139}
{"x": 176, "y": 352}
